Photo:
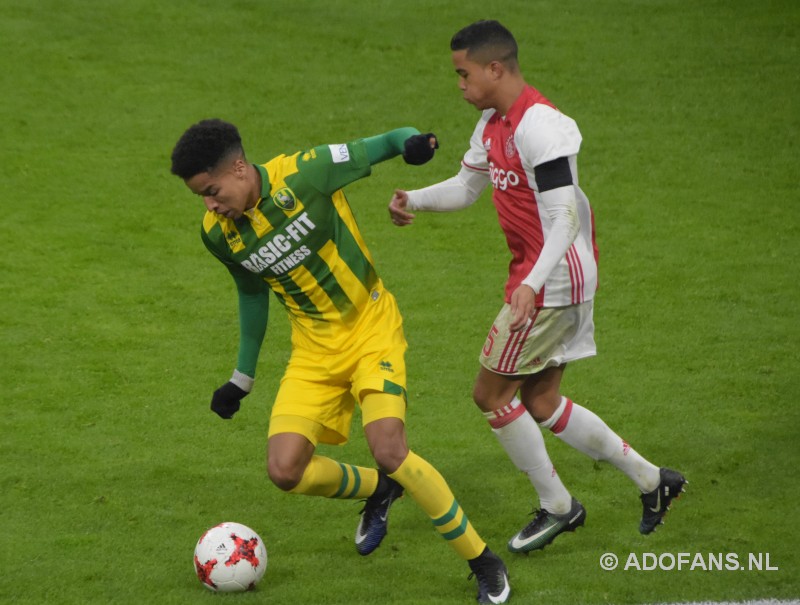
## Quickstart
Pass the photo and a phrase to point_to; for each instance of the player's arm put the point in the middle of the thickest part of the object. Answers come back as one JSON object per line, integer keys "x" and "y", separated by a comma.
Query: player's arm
{"x": 455, "y": 193}
{"x": 253, "y": 316}
{"x": 415, "y": 148}
{"x": 546, "y": 140}
{"x": 557, "y": 201}
{"x": 331, "y": 167}
{"x": 253, "y": 295}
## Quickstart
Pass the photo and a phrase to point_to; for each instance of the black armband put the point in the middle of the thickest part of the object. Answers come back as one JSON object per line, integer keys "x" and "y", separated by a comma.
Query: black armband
{"x": 553, "y": 174}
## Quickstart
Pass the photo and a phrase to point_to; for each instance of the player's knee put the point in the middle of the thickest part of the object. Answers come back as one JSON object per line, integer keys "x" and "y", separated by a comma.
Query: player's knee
{"x": 544, "y": 406}
{"x": 285, "y": 477}
{"x": 387, "y": 442}
{"x": 479, "y": 394}
{"x": 389, "y": 455}
{"x": 485, "y": 399}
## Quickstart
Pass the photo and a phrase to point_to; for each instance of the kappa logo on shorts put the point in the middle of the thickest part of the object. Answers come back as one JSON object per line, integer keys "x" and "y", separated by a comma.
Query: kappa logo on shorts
{"x": 284, "y": 199}
{"x": 386, "y": 366}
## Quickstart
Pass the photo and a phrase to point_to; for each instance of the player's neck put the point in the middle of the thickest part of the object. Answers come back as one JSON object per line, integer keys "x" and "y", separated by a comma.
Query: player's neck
{"x": 254, "y": 176}
{"x": 508, "y": 94}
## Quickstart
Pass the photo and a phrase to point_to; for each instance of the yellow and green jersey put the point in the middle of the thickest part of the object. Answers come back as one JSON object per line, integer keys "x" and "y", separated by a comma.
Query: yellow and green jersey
{"x": 301, "y": 240}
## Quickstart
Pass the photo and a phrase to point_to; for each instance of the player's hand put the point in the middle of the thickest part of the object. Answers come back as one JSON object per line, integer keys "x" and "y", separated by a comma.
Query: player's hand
{"x": 227, "y": 399}
{"x": 419, "y": 148}
{"x": 523, "y": 307}
{"x": 397, "y": 209}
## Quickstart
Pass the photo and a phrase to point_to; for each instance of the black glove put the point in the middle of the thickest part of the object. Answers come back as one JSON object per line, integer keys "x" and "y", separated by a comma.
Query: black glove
{"x": 417, "y": 149}
{"x": 227, "y": 399}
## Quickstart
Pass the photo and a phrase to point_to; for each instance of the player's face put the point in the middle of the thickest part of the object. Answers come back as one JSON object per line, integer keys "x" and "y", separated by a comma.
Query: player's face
{"x": 225, "y": 190}
{"x": 476, "y": 81}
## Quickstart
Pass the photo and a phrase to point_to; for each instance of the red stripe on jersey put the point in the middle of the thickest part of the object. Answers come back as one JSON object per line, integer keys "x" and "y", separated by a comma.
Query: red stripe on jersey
{"x": 575, "y": 274}
{"x": 571, "y": 269}
{"x": 506, "y": 415}
{"x": 581, "y": 282}
{"x": 563, "y": 420}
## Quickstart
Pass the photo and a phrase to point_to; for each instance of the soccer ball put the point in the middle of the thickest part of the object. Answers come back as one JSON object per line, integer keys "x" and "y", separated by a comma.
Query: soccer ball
{"x": 230, "y": 557}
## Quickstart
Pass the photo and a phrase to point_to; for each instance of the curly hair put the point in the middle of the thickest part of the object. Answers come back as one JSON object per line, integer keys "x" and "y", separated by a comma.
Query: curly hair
{"x": 203, "y": 146}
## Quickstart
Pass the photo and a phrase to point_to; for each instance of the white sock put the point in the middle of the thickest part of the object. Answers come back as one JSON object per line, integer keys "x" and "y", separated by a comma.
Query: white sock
{"x": 587, "y": 433}
{"x": 518, "y": 433}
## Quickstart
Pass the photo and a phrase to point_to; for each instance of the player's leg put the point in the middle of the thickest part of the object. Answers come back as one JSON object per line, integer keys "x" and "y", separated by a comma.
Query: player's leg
{"x": 293, "y": 466}
{"x": 386, "y": 437}
{"x": 313, "y": 406}
{"x": 583, "y": 429}
{"x": 384, "y": 428}
{"x": 288, "y": 456}
{"x": 520, "y": 437}
{"x": 380, "y": 383}
{"x": 572, "y": 423}
{"x": 382, "y": 416}
{"x": 508, "y": 361}
{"x": 587, "y": 432}
{"x": 559, "y": 512}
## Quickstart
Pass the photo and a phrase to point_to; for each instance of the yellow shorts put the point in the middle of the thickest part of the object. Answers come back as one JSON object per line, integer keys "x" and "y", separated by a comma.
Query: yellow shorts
{"x": 319, "y": 389}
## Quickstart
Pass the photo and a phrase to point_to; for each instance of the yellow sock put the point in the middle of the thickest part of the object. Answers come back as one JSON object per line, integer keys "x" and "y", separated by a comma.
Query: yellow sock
{"x": 331, "y": 479}
{"x": 429, "y": 489}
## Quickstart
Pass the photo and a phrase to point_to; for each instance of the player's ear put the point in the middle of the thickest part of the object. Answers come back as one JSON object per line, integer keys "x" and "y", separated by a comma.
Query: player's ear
{"x": 496, "y": 69}
{"x": 240, "y": 168}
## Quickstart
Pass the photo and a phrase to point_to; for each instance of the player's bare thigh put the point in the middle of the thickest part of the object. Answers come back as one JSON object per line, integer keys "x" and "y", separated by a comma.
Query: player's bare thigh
{"x": 540, "y": 393}
{"x": 383, "y": 415}
{"x": 492, "y": 391}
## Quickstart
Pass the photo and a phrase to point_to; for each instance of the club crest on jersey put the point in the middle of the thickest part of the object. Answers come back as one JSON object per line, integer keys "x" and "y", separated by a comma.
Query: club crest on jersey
{"x": 511, "y": 149}
{"x": 284, "y": 199}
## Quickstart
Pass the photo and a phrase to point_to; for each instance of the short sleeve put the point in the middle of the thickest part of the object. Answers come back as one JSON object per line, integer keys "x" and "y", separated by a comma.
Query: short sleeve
{"x": 545, "y": 134}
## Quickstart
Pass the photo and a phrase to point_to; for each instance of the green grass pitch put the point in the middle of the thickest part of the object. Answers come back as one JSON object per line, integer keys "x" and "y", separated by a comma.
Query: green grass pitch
{"x": 116, "y": 323}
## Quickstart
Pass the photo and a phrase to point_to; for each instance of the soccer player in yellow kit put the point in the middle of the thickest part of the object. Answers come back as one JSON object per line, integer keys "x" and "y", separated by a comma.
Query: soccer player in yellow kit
{"x": 286, "y": 226}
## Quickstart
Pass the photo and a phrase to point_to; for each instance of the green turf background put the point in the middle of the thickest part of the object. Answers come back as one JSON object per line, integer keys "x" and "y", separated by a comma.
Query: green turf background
{"x": 115, "y": 324}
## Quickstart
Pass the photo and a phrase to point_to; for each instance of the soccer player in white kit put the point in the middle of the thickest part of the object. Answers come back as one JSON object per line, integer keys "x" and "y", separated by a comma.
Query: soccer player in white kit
{"x": 528, "y": 151}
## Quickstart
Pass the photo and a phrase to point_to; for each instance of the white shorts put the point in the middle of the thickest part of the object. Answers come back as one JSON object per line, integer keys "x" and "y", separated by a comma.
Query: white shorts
{"x": 553, "y": 337}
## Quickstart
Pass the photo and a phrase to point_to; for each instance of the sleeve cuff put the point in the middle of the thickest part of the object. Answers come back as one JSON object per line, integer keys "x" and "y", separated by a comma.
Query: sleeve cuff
{"x": 243, "y": 381}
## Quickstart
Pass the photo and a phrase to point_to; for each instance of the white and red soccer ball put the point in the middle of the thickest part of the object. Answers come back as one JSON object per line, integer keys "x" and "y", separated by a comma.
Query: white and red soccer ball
{"x": 230, "y": 557}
